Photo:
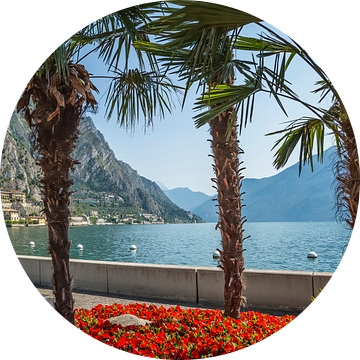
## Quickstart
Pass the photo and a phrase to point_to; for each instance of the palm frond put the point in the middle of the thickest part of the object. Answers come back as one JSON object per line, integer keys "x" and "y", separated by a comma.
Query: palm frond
{"x": 266, "y": 45}
{"x": 114, "y": 35}
{"x": 206, "y": 30}
{"x": 135, "y": 94}
{"x": 58, "y": 59}
{"x": 324, "y": 88}
{"x": 206, "y": 15}
{"x": 309, "y": 133}
{"x": 220, "y": 99}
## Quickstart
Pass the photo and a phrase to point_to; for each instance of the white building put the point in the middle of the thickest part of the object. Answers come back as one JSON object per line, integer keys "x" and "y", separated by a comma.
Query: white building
{"x": 77, "y": 221}
{"x": 11, "y": 214}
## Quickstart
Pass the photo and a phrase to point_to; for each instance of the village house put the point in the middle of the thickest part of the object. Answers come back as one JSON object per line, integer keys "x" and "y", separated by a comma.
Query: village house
{"x": 8, "y": 196}
{"x": 11, "y": 214}
{"x": 36, "y": 218}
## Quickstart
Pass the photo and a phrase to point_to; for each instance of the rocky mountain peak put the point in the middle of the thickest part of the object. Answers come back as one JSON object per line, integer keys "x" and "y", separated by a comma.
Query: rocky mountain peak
{"x": 98, "y": 171}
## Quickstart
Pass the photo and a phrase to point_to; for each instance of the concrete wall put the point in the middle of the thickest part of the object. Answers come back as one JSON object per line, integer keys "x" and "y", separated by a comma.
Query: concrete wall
{"x": 265, "y": 289}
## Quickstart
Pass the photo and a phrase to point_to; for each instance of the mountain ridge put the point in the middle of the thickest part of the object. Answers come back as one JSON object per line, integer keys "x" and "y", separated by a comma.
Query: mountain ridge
{"x": 186, "y": 198}
{"x": 99, "y": 170}
{"x": 285, "y": 196}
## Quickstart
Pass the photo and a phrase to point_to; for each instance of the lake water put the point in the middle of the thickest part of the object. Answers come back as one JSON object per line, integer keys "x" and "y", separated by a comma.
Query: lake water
{"x": 277, "y": 246}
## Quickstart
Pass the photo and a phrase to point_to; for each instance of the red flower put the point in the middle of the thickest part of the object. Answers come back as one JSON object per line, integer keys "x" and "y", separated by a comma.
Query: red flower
{"x": 195, "y": 354}
{"x": 177, "y": 333}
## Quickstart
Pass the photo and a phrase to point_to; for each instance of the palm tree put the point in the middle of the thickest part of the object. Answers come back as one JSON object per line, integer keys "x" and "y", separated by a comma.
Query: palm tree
{"x": 196, "y": 40}
{"x": 58, "y": 98}
{"x": 307, "y": 130}
{"x": 54, "y": 101}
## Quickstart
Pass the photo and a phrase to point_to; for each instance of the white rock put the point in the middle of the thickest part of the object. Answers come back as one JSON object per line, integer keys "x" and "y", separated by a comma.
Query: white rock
{"x": 128, "y": 320}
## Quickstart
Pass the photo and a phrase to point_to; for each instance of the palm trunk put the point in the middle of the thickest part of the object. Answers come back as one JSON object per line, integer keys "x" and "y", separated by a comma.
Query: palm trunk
{"x": 228, "y": 184}
{"x": 228, "y": 181}
{"x": 347, "y": 175}
{"x": 56, "y": 143}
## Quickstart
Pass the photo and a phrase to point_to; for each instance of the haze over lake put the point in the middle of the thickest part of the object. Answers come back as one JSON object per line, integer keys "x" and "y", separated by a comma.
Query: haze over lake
{"x": 272, "y": 245}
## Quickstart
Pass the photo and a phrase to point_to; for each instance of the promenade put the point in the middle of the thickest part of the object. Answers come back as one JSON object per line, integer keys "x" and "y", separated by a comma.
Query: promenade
{"x": 86, "y": 299}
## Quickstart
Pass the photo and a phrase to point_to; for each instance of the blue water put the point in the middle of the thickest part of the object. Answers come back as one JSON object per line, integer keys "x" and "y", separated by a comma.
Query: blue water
{"x": 277, "y": 246}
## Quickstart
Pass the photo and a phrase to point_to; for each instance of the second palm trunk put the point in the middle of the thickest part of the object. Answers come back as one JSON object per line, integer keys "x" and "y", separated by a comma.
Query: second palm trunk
{"x": 228, "y": 183}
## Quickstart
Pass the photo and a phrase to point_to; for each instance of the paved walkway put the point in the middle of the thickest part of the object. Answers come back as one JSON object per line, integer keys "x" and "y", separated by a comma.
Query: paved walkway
{"x": 90, "y": 299}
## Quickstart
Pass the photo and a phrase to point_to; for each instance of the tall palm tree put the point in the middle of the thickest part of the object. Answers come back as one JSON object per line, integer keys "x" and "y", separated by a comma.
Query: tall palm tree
{"x": 54, "y": 101}
{"x": 196, "y": 41}
{"x": 53, "y": 104}
{"x": 307, "y": 131}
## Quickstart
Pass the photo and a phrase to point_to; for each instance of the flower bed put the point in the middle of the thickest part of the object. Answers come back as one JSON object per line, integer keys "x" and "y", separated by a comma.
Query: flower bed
{"x": 177, "y": 333}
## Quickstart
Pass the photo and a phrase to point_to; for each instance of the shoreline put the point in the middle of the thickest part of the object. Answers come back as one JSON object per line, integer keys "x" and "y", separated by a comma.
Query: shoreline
{"x": 25, "y": 225}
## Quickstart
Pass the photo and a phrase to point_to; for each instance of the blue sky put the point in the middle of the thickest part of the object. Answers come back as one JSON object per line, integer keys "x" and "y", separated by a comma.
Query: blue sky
{"x": 174, "y": 152}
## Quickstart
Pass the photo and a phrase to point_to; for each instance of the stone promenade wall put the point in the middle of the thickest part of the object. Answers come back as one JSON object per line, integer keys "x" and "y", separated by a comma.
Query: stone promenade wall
{"x": 265, "y": 289}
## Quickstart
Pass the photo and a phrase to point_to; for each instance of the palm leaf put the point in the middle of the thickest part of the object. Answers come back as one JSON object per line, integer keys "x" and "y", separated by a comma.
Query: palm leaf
{"x": 266, "y": 45}
{"x": 324, "y": 88}
{"x": 208, "y": 15}
{"x": 200, "y": 28}
{"x": 138, "y": 93}
{"x": 59, "y": 59}
{"x": 115, "y": 33}
{"x": 220, "y": 99}
{"x": 308, "y": 132}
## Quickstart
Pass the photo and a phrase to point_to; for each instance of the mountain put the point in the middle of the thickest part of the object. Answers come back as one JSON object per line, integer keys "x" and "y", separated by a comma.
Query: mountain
{"x": 98, "y": 171}
{"x": 101, "y": 171}
{"x": 285, "y": 196}
{"x": 186, "y": 198}
{"x": 18, "y": 166}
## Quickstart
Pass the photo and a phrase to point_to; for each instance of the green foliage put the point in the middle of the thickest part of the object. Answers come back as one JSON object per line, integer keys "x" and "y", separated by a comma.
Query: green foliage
{"x": 169, "y": 212}
{"x": 135, "y": 93}
{"x": 173, "y": 214}
{"x": 15, "y": 222}
{"x": 310, "y": 133}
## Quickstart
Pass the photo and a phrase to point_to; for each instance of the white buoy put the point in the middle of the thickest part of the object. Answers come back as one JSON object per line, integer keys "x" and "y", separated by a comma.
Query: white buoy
{"x": 312, "y": 255}
{"x": 31, "y": 243}
{"x": 132, "y": 247}
{"x": 216, "y": 254}
{"x": 80, "y": 247}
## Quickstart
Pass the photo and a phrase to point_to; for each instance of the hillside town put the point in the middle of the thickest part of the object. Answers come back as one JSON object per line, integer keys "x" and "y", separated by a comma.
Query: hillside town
{"x": 17, "y": 211}
{"x": 20, "y": 212}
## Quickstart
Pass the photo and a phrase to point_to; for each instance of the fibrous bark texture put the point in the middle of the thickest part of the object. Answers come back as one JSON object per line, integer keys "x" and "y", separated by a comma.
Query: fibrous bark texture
{"x": 228, "y": 184}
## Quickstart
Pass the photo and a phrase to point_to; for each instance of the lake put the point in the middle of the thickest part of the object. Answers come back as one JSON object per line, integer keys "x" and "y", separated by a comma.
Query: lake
{"x": 272, "y": 245}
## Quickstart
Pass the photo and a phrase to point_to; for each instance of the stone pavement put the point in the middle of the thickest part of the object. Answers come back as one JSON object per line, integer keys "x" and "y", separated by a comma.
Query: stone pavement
{"x": 88, "y": 300}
